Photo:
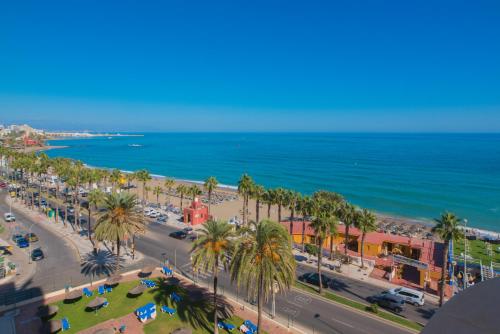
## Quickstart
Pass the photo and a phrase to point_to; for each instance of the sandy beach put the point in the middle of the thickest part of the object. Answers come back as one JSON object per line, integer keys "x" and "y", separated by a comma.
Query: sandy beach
{"x": 31, "y": 149}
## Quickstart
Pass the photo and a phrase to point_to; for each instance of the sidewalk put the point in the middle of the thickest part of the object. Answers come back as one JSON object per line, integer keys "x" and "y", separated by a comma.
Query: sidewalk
{"x": 77, "y": 238}
{"x": 354, "y": 272}
{"x": 24, "y": 269}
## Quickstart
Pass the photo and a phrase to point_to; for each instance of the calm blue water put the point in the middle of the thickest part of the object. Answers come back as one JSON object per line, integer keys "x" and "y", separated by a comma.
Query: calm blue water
{"x": 411, "y": 175}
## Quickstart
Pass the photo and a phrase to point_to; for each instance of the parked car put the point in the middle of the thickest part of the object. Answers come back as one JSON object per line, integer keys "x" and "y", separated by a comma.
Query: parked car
{"x": 9, "y": 217}
{"x": 409, "y": 295}
{"x": 188, "y": 230}
{"x": 3, "y": 184}
{"x": 388, "y": 301}
{"x": 22, "y": 242}
{"x": 37, "y": 254}
{"x": 71, "y": 209}
{"x": 31, "y": 237}
{"x": 313, "y": 278}
{"x": 178, "y": 235}
{"x": 16, "y": 237}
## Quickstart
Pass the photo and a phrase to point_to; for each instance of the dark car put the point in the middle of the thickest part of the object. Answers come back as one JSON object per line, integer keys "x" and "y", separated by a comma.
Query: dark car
{"x": 313, "y": 278}
{"x": 388, "y": 301}
{"x": 178, "y": 235}
{"x": 37, "y": 254}
{"x": 23, "y": 243}
{"x": 16, "y": 237}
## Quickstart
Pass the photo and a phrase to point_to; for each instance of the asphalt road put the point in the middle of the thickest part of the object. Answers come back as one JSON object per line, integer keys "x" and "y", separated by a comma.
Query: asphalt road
{"x": 61, "y": 265}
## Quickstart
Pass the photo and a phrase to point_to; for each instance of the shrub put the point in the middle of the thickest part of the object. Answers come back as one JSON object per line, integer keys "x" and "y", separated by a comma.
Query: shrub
{"x": 312, "y": 249}
{"x": 374, "y": 308}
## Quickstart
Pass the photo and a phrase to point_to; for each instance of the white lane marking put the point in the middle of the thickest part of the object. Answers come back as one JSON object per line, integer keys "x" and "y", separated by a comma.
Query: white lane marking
{"x": 344, "y": 323}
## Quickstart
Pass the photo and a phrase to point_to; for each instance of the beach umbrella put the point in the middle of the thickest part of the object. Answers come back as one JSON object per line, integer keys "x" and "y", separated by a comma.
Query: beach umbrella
{"x": 137, "y": 290}
{"x": 54, "y": 326}
{"x": 112, "y": 280}
{"x": 75, "y": 294}
{"x": 182, "y": 331}
{"x": 47, "y": 310}
{"x": 97, "y": 302}
{"x": 105, "y": 331}
{"x": 147, "y": 270}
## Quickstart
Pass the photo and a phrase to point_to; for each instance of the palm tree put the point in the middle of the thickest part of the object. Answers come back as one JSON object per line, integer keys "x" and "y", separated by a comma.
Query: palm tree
{"x": 304, "y": 207}
{"x": 169, "y": 185}
{"x": 147, "y": 189}
{"x": 245, "y": 185}
{"x": 157, "y": 192}
{"x": 115, "y": 178}
{"x": 182, "y": 190}
{"x": 447, "y": 227}
{"x": 269, "y": 199}
{"x": 281, "y": 199}
{"x": 143, "y": 176}
{"x": 292, "y": 198}
{"x": 258, "y": 192}
{"x": 324, "y": 223}
{"x": 212, "y": 249}
{"x": 210, "y": 185}
{"x": 95, "y": 197}
{"x": 366, "y": 223}
{"x": 348, "y": 216}
{"x": 130, "y": 178}
{"x": 194, "y": 191}
{"x": 76, "y": 177}
{"x": 119, "y": 220}
{"x": 263, "y": 259}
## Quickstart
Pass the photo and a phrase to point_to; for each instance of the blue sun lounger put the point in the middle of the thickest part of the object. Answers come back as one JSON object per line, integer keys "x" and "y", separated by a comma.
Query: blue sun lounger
{"x": 65, "y": 324}
{"x": 227, "y": 326}
{"x": 166, "y": 309}
{"x": 250, "y": 326}
{"x": 87, "y": 292}
{"x": 100, "y": 290}
{"x": 167, "y": 271}
{"x": 175, "y": 297}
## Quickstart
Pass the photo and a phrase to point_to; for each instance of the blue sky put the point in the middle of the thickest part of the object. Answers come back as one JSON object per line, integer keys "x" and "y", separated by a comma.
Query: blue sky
{"x": 251, "y": 65}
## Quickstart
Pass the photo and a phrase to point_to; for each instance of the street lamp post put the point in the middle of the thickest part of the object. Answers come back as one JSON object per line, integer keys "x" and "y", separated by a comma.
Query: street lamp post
{"x": 465, "y": 279}
{"x": 29, "y": 243}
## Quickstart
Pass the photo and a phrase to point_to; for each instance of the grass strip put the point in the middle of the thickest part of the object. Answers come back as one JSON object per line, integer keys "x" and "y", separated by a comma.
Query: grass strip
{"x": 362, "y": 307}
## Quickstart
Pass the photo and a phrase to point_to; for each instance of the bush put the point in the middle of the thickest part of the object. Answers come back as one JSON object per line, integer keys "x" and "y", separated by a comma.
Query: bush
{"x": 374, "y": 308}
{"x": 312, "y": 249}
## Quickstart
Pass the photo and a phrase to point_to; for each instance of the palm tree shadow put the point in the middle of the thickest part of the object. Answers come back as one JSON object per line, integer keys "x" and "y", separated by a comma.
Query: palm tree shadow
{"x": 195, "y": 306}
{"x": 101, "y": 263}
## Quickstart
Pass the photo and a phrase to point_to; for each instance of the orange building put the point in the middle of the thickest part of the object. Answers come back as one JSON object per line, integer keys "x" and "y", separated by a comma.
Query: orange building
{"x": 405, "y": 260}
{"x": 196, "y": 214}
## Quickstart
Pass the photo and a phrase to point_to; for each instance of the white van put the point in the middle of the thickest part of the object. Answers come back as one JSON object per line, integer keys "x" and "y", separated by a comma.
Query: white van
{"x": 409, "y": 295}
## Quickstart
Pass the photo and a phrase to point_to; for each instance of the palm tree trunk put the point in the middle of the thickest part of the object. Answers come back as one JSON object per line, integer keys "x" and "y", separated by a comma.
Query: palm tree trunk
{"x": 346, "y": 239}
{"x": 279, "y": 213}
{"x": 320, "y": 255}
{"x": 331, "y": 247}
{"x": 303, "y": 233}
{"x": 89, "y": 227}
{"x": 443, "y": 273}
{"x": 244, "y": 210}
{"x": 117, "y": 247}
{"x": 257, "y": 210}
{"x": 362, "y": 250}
{"x": 209, "y": 202}
{"x": 182, "y": 198}
{"x": 133, "y": 246}
{"x": 269, "y": 210}
{"x": 291, "y": 225}
{"x": 260, "y": 303}
{"x": 216, "y": 327}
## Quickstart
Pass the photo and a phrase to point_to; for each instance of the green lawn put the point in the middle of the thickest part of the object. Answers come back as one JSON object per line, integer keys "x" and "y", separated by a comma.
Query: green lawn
{"x": 195, "y": 315}
{"x": 477, "y": 249}
{"x": 362, "y": 307}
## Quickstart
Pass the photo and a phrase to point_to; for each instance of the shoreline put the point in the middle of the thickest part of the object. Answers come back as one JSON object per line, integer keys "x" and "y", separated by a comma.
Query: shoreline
{"x": 228, "y": 209}
{"x": 41, "y": 148}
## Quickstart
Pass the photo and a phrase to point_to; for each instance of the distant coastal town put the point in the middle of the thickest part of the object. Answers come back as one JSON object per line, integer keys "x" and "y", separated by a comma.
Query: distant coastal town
{"x": 28, "y": 138}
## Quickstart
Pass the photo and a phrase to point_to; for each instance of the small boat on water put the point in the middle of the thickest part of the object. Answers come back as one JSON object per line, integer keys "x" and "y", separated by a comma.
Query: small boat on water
{"x": 134, "y": 145}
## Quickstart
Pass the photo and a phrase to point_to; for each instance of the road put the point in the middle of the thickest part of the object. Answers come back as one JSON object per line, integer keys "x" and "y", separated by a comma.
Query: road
{"x": 60, "y": 267}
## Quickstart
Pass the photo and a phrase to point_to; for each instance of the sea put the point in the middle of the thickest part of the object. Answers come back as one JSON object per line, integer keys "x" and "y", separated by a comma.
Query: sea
{"x": 417, "y": 176}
